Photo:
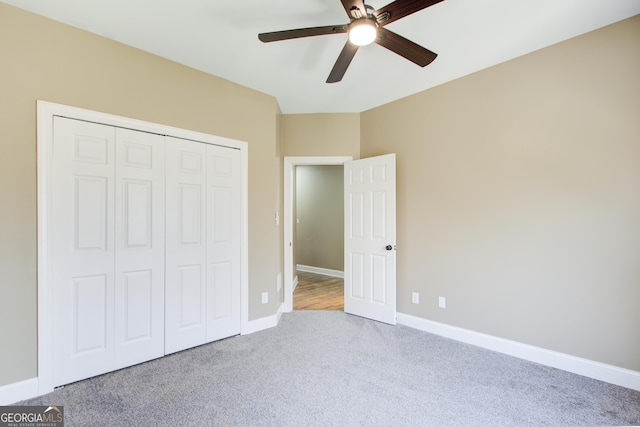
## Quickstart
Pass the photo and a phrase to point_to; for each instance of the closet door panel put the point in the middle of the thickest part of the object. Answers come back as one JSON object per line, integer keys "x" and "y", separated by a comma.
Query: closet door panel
{"x": 185, "y": 264}
{"x": 83, "y": 249}
{"x": 223, "y": 242}
{"x": 139, "y": 264}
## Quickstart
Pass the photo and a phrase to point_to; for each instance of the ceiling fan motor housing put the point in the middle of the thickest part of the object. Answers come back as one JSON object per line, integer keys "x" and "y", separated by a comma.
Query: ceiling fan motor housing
{"x": 356, "y": 12}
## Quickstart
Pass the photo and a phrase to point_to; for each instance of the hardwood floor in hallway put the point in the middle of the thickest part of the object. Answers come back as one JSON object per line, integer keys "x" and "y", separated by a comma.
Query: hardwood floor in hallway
{"x": 318, "y": 292}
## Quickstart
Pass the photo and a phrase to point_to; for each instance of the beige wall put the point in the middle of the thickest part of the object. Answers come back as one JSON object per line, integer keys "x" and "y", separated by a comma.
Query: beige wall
{"x": 321, "y": 134}
{"x": 320, "y": 209}
{"x": 42, "y": 59}
{"x": 519, "y": 197}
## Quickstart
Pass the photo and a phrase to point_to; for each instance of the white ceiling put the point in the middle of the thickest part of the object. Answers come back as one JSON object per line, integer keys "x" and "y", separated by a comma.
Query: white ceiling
{"x": 219, "y": 37}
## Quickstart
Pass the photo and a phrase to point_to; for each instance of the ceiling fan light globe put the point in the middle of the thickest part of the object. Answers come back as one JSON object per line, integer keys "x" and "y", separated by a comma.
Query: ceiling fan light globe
{"x": 363, "y": 32}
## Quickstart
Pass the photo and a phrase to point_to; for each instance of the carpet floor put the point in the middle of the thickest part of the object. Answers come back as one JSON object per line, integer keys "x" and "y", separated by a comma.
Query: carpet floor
{"x": 324, "y": 368}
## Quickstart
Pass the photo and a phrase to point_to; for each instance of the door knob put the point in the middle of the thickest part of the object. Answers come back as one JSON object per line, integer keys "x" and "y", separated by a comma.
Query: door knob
{"x": 389, "y": 247}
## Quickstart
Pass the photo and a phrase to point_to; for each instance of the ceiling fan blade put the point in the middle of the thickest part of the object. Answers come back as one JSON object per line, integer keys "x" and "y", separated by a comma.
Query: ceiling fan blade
{"x": 355, "y": 8}
{"x": 340, "y": 67}
{"x": 401, "y": 8}
{"x": 301, "y": 32}
{"x": 404, "y": 47}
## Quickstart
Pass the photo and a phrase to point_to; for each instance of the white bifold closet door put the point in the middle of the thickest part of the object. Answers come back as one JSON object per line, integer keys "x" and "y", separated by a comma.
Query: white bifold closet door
{"x": 146, "y": 246}
{"x": 108, "y": 248}
{"x": 203, "y": 244}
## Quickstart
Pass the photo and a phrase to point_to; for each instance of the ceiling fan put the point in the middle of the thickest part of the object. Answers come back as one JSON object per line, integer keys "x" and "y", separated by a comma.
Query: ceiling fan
{"x": 366, "y": 26}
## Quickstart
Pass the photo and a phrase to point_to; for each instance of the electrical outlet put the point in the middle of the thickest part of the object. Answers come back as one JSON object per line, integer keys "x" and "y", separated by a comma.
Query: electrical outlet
{"x": 265, "y": 297}
{"x": 442, "y": 302}
{"x": 415, "y": 297}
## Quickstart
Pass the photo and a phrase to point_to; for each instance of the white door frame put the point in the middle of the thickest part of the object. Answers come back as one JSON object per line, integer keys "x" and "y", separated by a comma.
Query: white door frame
{"x": 289, "y": 178}
{"x": 46, "y": 111}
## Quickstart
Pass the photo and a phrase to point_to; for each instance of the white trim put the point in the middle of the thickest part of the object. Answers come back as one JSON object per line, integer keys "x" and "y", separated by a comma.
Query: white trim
{"x": 294, "y": 285}
{"x": 588, "y": 368}
{"x": 244, "y": 242}
{"x": 320, "y": 270}
{"x": 46, "y": 111}
{"x": 15, "y": 392}
{"x": 289, "y": 179}
{"x": 263, "y": 323}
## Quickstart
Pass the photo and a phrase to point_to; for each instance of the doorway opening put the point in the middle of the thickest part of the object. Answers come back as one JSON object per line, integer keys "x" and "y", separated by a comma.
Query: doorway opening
{"x": 318, "y": 241}
{"x": 291, "y": 276}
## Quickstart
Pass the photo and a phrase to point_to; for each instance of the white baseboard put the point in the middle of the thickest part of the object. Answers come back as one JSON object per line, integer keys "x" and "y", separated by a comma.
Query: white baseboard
{"x": 12, "y": 393}
{"x": 295, "y": 283}
{"x": 262, "y": 323}
{"x": 588, "y": 368}
{"x": 320, "y": 270}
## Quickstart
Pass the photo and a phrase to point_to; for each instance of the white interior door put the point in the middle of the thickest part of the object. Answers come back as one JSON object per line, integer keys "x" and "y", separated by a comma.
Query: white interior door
{"x": 139, "y": 243}
{"x": 186, "y": 250}
{"x": 83, "y": 249}
{"x": 370, "y": 238}
{"x": 223, "y": 242}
